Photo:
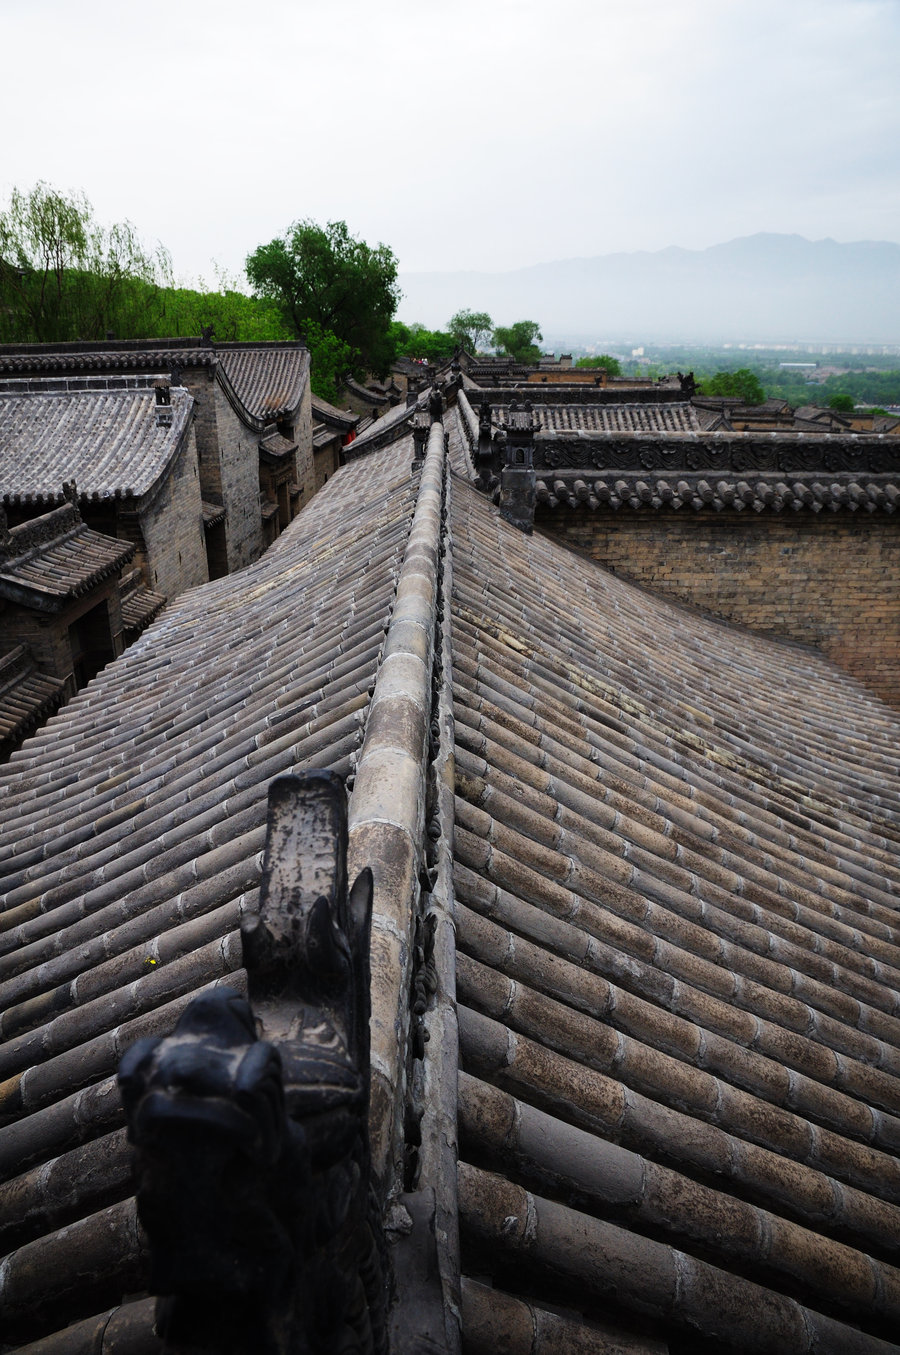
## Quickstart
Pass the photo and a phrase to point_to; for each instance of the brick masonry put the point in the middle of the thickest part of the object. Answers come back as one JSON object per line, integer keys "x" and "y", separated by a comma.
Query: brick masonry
{"x": 828, "y": 579}
{"x": 172, "y": 526}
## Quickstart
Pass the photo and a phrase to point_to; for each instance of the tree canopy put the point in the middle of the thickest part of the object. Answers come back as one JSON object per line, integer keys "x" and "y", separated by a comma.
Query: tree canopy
{"x": 519, "y": 341}
{"x": 64, "y": 277}
{"x": 423, "y": 345}
{"x": 470, "y": 329}
{"x": 328, "y": 283}
{"x": 612, "y": 365}
{"x": 742, "y": 384}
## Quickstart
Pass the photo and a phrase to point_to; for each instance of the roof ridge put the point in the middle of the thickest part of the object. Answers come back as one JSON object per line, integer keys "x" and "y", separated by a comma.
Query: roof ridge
{"x": 386, "y": 814}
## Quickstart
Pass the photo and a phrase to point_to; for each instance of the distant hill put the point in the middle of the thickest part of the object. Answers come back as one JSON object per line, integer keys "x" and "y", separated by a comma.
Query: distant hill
{"x": 757, "y": 288}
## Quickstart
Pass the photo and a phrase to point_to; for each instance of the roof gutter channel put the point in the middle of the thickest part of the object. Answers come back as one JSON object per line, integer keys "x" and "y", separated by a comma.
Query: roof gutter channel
{"x": 401, "y": 825}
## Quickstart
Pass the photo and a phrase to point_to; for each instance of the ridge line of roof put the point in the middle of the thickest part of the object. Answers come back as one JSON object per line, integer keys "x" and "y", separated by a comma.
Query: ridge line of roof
{"x": 386, "y": 813}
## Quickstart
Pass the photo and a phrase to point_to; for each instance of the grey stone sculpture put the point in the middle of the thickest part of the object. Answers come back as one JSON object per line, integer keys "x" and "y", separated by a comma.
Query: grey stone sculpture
{"x": 250, "y": 1122}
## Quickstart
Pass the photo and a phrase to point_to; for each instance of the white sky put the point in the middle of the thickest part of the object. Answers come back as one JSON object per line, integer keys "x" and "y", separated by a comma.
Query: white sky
{"x": 478, "y": 134}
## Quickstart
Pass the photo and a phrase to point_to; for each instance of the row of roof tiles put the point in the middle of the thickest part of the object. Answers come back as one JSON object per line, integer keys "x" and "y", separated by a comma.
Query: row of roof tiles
{"x": 678, "y": 971}
{"x": 695, "y": 491}
{"x": 110, "y": 442}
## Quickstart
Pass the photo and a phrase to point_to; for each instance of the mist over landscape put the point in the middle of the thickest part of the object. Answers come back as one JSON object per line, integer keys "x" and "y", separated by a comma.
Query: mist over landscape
{"x": 758, "y": 288}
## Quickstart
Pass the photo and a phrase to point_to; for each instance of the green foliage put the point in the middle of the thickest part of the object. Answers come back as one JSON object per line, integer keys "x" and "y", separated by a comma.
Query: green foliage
{"x": 234, "y": 316}
{"x": 844, "y": 404}
{"x": 331, "y": 359}
{"x": 519, "y": 341}
{"x": 421, "y": 344}
{"x": 63, "y": 277}
{"x": 323, "y": 278}
{"x": 470, "y": 329}
{"x": 612, "y": 365}
{"x": 742, "y": 384}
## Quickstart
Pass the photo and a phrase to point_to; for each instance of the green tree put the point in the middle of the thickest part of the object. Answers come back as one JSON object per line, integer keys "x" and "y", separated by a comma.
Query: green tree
{"x": 325, "y": 278}
{"x": 470, "y": 328}
{"x": 844, "y": 404}
{"x": 612, "y": 365}
{"x": 741, "y": 384}
{"x": 519, "y": 341}
{"x": 64, "y": 277}
{"x": 424, "y": 345}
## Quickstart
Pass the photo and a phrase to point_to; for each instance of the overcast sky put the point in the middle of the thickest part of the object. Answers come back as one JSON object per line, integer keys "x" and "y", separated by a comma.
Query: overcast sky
{"x": 478, "y": 134}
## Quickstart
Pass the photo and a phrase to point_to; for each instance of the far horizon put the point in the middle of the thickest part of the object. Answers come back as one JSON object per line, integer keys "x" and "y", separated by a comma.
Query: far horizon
{"x": 766, "y": 288}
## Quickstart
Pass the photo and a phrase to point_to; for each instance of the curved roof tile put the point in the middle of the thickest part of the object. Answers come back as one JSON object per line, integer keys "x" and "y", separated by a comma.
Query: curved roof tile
{"x": 109, "y": 442}
{"x": 268, "y": 382}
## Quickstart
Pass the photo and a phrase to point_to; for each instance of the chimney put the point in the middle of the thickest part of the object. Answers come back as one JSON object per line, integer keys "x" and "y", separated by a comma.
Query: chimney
{"x": 517, "y": 480}
{"x": 421, "y": 427}
{"x": 485, "y": 454}
{"x": 163, "y": 405}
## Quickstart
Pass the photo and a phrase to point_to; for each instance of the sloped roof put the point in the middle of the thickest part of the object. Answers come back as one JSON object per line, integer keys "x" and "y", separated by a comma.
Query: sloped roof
{"x": 344, "y": 419}
{"x": 268, "y": 382}
{"x": 139, "y": 606}
{"x": 677, "y": 885}
{"x": 612, "y": 418}
{"x": 150, "y": 790}
{"x": 676, "y": 870}
{"x": 26, "y": 695}
{"x": 47, "y": 560}
{"x": 109, "y": 442}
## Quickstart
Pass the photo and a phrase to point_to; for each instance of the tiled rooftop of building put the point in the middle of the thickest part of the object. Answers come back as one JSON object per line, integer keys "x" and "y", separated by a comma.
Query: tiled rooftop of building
{"x": 139, "y": 607}
{"x": 676, "y": 868}
{"x": 679, "y": 417}
{"x": 330, "y": 414}
{"x": 26, "y": 697}
{"x": 48, "y": 559}
{"x": 108, "y": 442}
{"x": 268, "y": 382}
{"x": 265, "y": 380}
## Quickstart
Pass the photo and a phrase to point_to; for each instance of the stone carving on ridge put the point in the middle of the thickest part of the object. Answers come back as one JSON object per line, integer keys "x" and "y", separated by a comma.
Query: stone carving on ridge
{"x": 250, "y": 1121}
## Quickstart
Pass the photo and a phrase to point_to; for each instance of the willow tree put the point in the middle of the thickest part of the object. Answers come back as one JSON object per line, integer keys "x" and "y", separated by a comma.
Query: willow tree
{"x": 64, "y": 277}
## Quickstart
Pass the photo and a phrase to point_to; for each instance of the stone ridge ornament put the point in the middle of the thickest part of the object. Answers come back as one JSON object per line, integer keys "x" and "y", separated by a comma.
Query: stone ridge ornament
{"x": 250, "y": 1122}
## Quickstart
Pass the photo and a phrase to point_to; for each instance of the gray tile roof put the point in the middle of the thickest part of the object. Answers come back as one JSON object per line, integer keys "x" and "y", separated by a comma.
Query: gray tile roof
{"x": 26, "y": 696}
{"x": 611, "y": 418}
{"x": 678, "y": 970}
{"x": 109, "y": 442}
{"x": 329, "y": 414}
{"x": 47, "y": 560}
{"x": 675, "y": 949}
{"x": 268, "y": 382}
{"x": 139, "y": 606}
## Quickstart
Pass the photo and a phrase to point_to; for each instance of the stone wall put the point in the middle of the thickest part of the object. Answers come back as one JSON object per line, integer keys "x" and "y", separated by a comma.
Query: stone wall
{"x": 201, "y": 383}
{"x": 326, "y": 461}
{"x": 826, "y": 579}
{"x": 172, "y": 526}
{"x": 46, "y": 634}
{"x": 238, "y": 448}
{"x": 302, "y": 434}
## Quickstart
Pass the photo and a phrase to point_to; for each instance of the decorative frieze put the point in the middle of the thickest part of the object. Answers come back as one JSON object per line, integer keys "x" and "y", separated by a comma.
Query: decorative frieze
{"x": 735, "y": 453}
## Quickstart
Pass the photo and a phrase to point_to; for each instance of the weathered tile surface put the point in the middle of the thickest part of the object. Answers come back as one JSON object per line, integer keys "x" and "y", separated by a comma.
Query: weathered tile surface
{"x": 676, "y": 876}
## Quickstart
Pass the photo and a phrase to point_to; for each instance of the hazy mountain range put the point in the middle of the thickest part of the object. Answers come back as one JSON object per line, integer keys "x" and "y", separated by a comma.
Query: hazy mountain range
{"x": 757, "y": 288}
